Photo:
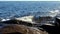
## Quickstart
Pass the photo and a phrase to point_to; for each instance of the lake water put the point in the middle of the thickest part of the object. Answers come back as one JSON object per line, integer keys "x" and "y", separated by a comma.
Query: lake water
{"x": 21, "y": 8}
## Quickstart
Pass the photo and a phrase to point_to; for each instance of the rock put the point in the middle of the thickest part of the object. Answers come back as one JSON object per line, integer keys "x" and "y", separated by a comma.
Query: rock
{"x": 57, "y": 20}
{"x": 51, "y": 29}
{"x": 28, "y": 19}
{"x": 21, "y": 29}
{"x": 41, "y": 19}
{"x": 9, "y": 22}
{"x": 46, "y": 20}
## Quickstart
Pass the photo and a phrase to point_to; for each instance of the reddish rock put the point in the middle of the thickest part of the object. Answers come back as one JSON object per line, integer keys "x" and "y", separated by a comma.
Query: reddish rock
{"x": 21, "y": 29}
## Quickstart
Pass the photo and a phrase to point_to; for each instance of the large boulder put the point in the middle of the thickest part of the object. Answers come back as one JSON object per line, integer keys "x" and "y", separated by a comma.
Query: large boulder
{"x": 20, "y": 29}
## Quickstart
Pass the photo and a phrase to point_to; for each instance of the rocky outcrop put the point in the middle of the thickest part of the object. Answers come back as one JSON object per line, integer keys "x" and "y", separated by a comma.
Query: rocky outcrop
{"x": 21, "y": 29}
{"x": 29, "y": 21}
{"x": 26, "y": 19}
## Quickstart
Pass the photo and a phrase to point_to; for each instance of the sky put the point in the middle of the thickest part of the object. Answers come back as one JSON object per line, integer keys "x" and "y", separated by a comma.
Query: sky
{"x": 29, "y": 0}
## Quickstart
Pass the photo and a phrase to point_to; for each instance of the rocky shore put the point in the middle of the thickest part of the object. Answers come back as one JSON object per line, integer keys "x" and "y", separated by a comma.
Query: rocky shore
{"x": 30, "y": 25}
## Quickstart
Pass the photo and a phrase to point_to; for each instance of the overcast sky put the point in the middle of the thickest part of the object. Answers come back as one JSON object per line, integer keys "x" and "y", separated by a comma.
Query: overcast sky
{"x": 29, "y": 0}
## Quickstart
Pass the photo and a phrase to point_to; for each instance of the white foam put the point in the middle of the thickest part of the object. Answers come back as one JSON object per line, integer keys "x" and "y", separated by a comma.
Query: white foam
{"x": 5, "y": 19}
{"x": 55, "y": 11}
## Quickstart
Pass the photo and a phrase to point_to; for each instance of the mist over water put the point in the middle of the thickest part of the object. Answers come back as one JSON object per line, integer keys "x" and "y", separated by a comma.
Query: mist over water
{"x": 18, "y": 9}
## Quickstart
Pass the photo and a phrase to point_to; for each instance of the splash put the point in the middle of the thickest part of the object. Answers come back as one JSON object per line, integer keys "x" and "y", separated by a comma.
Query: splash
{"x": 53, "y": 13}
